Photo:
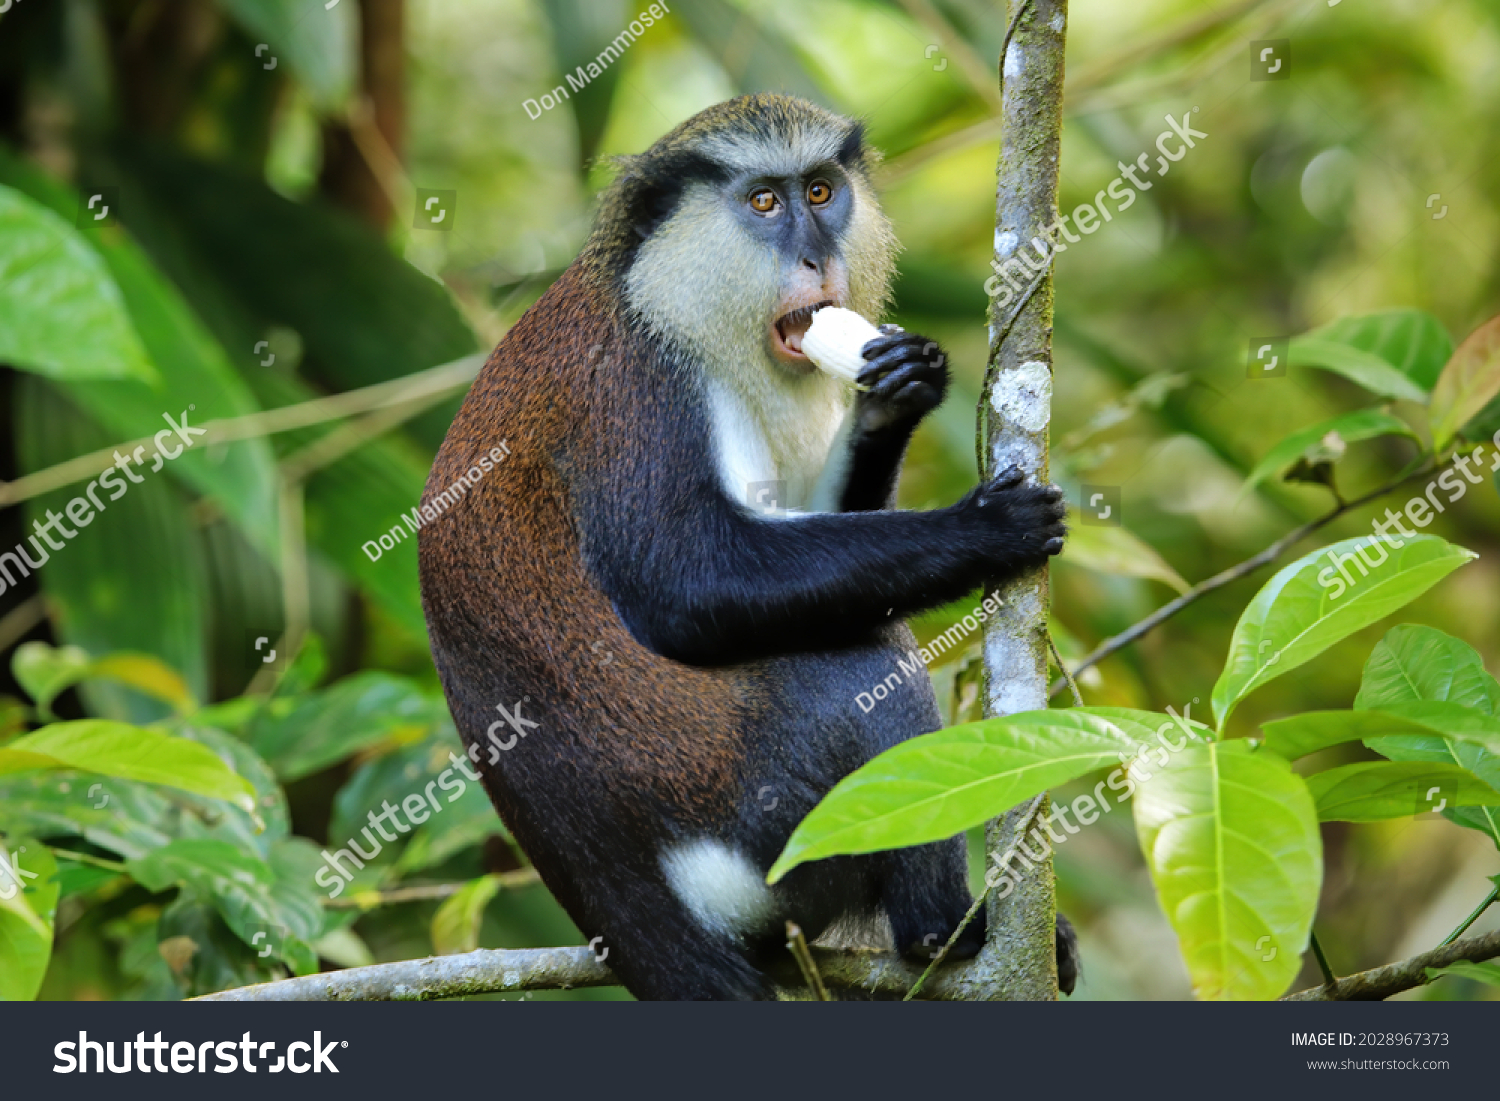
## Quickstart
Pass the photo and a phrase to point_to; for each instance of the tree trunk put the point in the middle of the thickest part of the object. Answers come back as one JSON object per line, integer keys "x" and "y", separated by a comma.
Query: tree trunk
{"x": 1015, "y": 411}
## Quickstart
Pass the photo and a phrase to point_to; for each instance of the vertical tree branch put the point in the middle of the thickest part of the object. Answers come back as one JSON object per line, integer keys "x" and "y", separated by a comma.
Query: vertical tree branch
{"x": 1015, "y": 412}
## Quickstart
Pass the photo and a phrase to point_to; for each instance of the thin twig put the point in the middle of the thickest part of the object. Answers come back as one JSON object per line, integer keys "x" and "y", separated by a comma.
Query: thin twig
{"x": 21, "y": 619}
{"x": 798, "y": 945}
{"x": 1234, "y": 573}
{"x": 86, "y": 858}
{"x": 1472, "y": 918}
{"x": 1328, "y": 976}
{"x": 1063, "y": 668}
{"x": 1393, "y": 978}
{"x": 443, "y": 379}
{"x": 942, "y": 953}
{"x": 424, "y": 892}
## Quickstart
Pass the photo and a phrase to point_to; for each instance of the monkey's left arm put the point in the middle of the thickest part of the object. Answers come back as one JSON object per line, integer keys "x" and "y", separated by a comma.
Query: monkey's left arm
{"x": 906, "y": 376}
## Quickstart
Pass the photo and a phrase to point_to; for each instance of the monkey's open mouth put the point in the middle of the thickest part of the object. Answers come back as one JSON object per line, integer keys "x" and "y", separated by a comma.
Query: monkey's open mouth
{"x": 791, "y": 327}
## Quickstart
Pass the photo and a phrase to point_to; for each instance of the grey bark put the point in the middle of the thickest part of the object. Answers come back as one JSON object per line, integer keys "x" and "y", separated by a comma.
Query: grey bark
{"x": 1015, "y": 412}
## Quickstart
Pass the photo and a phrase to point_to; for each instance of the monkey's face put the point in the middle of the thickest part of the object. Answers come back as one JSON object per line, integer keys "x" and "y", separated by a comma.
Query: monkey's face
{"x": 772, "y": 228}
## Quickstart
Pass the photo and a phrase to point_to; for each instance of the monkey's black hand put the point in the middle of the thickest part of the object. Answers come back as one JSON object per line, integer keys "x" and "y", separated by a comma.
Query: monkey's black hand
{"x": 907, "y": 376}
{"x": 1023, "y": 522}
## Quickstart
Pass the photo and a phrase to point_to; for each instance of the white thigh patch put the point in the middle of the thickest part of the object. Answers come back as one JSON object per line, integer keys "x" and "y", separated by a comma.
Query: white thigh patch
{"x": 719, "y": 886}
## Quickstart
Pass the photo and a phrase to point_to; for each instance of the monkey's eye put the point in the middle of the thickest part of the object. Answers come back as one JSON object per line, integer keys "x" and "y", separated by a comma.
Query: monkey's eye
{"x": 819, "y": 192}
{"x": 763, "y": 200}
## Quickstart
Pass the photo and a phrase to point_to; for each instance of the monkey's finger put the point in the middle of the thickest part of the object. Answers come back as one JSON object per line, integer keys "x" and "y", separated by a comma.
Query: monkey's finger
{"x": 898, "y": 359}
{"x": 882, "y": 344}
{"x": 889, "y": 384}
{"x": 1010, "y": 476}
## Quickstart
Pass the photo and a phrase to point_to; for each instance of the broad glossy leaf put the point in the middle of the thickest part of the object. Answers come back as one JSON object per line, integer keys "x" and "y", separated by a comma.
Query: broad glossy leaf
{"x": 1360, "y": 367}
{"x": 939, "y": 784}
{"x": 318, "y": 42}
{"x": 1231, "y": 839}
{"x": 1468, "y": 383}
{"x": 455, "y": 926}
{"x": 1364, "y": 424}
{"x": 133, "y": 753}
{"x": 246, "y": 890}
{"x": 1373, "y": 791}
{"x": 29, "y": 889}
{"x": 61, "y": 313}
{"x": 1414, "y": 663}
{"x": 1120, "y": 553}
{"x": 1296, "y": 616}
{"x": 133, "y": 820}
{"x": 192, "y": 368}
{"x": 1413, "y": 342}
{"x": 1311, "y": 731}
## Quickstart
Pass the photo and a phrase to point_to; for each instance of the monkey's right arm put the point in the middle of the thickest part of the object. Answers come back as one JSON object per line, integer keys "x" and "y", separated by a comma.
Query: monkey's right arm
{"x": 707, "y": 583}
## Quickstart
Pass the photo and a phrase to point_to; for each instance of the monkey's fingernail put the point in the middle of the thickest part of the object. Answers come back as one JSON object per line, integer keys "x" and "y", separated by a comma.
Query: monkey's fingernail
{"x": 1053, "y": 546}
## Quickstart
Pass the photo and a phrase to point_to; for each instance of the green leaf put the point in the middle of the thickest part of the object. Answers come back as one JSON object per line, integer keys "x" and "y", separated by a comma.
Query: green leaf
{"x": 61, "y": 314}
{"x": 939, "y": 784}
{"x": 1362, "y": 425}
{"x": 133, "y": 579}
{"x": 130, "y": 752}
{"x": 244, "y": 889}
{"x": 1307, "y": 607}
{"x": 299, "y": 737}
{"x": 46, "y": 671}
{"x": 364, "y": 314}
{"x": 1468, "y": 383}
{"x": 1311, "y": 731}
{"x": 1412, "y": 341}
{"x": 29, "y": 887}
{"x": 192, "y": 368}
{"x": 315, "y": 41}
{"x": 1486, "y": 972}
{"x": 1373, "y": 791}
{"x": 1231, "y": 839}
{"x": 1413, "y": 663}
{"x": 455, "y": 926}
{"x": 1115, "y": 551}
{"x": 1360, "y": 367}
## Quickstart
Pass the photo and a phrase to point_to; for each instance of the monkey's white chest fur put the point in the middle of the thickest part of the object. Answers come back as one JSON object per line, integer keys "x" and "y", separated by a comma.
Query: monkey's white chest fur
{"x": 783, "y": 448}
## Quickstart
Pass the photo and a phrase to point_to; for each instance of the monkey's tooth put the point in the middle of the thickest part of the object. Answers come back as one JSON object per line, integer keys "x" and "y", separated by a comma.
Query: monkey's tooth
{"x": 834, "y": 339}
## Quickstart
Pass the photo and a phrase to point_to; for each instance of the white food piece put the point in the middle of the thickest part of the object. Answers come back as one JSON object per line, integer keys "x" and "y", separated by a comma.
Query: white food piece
{"x": 834, "y": 339}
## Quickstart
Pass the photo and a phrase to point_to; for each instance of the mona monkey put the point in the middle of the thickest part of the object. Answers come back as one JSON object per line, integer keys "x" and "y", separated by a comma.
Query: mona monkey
{"x": 687, "y": 659}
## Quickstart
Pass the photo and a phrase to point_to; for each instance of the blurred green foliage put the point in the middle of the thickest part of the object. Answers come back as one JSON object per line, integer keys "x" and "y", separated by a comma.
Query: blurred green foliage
{"x": 263, "y": 250}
